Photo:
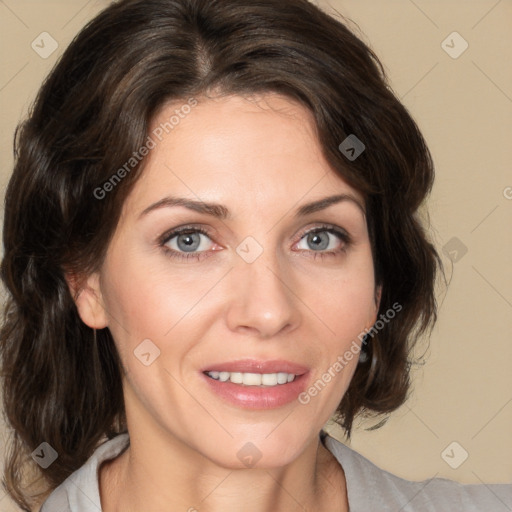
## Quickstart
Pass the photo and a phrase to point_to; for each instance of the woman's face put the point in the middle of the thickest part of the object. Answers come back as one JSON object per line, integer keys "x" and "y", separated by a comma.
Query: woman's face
{"x": 251, "y": 286}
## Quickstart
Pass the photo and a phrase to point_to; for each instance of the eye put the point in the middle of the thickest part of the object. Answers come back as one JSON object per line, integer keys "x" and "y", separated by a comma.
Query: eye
{"x": 186, "y": 243}
{"x": 323, "y": 241}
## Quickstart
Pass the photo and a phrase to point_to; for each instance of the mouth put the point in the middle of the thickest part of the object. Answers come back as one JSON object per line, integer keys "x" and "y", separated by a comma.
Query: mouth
{"x": 252, "y": 384}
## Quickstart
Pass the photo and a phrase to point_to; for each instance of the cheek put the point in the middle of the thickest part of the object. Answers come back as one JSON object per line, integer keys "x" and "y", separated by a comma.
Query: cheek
{"x": 345, "y": 307}
{"x": 145, "y": 299}
{"x": 345, "y": 303}
{"x": 149, "y": 308}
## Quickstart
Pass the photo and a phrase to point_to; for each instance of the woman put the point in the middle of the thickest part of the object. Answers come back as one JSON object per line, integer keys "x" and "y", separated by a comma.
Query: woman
{"x": 211, "y": 247}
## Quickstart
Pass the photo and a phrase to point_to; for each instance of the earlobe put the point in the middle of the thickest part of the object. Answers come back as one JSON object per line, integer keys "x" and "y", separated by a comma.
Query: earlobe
{"x": 378, "y": 295}
{"x": 88, "y": 299}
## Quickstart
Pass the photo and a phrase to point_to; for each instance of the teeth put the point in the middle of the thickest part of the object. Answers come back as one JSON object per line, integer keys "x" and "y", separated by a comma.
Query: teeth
{"x": 253, "y": 379}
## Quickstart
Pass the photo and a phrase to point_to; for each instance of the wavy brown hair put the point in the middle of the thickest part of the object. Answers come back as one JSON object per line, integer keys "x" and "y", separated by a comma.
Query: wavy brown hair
{"x": 63, "y": 385}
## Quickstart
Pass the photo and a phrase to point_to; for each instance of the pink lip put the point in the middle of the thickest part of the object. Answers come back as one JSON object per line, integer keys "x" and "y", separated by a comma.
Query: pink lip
{"x": 255, "y": 366}
{"x": 258, "y": 397}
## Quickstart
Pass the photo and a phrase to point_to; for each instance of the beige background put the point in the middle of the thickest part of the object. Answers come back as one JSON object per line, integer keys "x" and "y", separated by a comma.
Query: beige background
{"x": 463, "y": 105}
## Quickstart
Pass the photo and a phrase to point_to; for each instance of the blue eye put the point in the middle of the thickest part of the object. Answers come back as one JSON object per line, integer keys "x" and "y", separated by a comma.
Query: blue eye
{"x": 319, "y": 237}
{"x": 188, "y": 240}
{"x": 185, "y": 243}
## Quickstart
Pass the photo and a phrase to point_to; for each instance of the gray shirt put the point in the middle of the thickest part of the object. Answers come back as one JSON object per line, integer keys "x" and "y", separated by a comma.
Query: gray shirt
{"x": 370, "y": 489}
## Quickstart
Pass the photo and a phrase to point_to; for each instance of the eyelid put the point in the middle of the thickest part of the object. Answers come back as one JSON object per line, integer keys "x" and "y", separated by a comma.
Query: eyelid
{"x": 171, "y": 233}
{"x": 322, "y": 226}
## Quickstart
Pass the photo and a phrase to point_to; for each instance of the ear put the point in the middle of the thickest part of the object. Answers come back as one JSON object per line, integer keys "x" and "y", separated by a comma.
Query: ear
{"x": 88, "y": 299}
{"x": 375, "y": 309}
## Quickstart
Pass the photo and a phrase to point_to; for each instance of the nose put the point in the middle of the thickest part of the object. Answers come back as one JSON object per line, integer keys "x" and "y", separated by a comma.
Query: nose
{"x": 263, "y": 301}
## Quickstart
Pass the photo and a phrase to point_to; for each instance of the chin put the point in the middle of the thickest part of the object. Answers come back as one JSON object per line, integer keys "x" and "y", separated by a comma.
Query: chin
{"x": 259, "y": 450}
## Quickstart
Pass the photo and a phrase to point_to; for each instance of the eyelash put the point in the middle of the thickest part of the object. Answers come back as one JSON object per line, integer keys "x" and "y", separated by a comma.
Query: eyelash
{"x": 186, "y": 230}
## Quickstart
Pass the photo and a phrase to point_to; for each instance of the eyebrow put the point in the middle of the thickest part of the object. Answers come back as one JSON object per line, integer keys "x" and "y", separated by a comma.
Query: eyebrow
{"x": 221, "y": 212}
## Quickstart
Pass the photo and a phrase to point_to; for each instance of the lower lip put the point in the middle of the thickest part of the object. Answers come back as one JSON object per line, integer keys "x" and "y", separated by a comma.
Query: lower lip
{"x": 256, "y": 397}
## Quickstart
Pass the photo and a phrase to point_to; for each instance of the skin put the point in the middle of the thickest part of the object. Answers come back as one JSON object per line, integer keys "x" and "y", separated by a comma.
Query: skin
{"x": 259, "y": 157}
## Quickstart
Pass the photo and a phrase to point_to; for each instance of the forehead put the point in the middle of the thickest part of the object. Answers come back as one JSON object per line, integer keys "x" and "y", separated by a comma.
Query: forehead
{"x": 256, "y": 150}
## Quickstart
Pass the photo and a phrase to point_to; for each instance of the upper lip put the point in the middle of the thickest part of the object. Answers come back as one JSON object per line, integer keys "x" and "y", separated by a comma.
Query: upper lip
{"x": 257, "y": 366}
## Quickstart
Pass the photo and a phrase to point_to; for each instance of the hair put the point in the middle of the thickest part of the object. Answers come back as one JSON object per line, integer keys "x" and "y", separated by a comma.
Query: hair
{"x": 62, "y": 382}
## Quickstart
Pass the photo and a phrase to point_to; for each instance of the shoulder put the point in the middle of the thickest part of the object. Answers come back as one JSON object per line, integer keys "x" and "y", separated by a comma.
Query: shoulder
{"x": 80, "y": 491}
{"x": 372, "y": 488}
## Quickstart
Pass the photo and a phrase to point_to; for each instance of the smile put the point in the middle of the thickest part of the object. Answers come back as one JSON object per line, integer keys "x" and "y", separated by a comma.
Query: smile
{"x": 253, "y": 379}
